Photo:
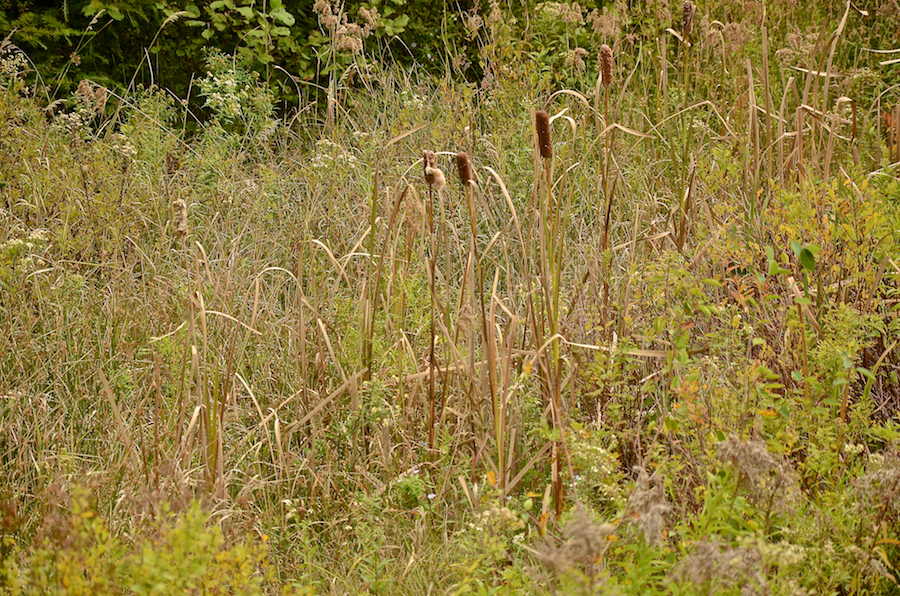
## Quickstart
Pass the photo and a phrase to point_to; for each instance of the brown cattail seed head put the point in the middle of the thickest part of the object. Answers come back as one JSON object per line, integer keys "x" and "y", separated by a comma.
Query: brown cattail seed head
{"x": 606, "y": 65}
{"x": 179, "y": 218}
{"x": 687, "y": 19}
{"x": 464, "y": 167}
{"x": 542, "y": 127}
{"x": 428, "y": 160}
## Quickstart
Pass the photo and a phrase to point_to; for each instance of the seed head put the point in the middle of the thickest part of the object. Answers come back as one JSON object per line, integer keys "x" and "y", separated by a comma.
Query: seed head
{"x": 687, "y": 19}
{"x": 438, "y": 177}
{"x": 433, "y": 176}
{"x": 606, "y": 65}
{"x": 428, "y": 161}
{"x": 464, "y": 167}
{"x": 179, "y": 218}
{"x": 542, "y": 128}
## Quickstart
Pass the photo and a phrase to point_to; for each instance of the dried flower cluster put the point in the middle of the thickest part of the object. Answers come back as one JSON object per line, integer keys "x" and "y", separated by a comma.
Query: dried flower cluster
{"x": 584, "y": 542}
{"x": 575, "y": 59}
{"x": 94, "y": 98}
{"x": 608, "y": 24}
{"x": 348, "y": 36}
{"x": 800, "y": 47}
{"x": 567, "y": 13}
{"x": 767, "y": 478}
{"x": 649, "y": 507}
{"x": 719, "y": 568}
{"x": 879, "y": 489}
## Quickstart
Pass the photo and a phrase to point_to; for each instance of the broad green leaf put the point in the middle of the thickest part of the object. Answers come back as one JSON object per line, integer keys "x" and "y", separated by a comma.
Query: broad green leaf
{"x": 283, "y": 16}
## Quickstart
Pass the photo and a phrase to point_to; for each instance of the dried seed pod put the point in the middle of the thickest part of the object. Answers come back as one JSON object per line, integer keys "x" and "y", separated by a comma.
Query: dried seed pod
{"x": 428, "y": 159}
{"x": 179, "y": 218}
{"x": 606, "y": 65}
{"x": 542, "y": 128}
{"x": 464, "y": 167}
{"x": 687, "y": 19}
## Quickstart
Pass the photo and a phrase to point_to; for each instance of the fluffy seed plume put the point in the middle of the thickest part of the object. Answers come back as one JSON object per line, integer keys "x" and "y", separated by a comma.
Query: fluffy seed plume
{"x": 433, "y": 176}
{"x": 464, "y": 167}
{"x": 179, "y": 218}
{"x": 542, "y": 127}
{"x": 428, "y": 160}
{"x": 687, "y": 19}
{"x": 606, "y": 65}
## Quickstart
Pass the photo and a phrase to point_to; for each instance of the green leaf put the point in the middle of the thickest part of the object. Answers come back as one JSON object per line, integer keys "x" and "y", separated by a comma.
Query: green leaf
{"x": 795, "y": 246}
{"x": 246, "y": 12}
{"x": 807, "y": 260}
{"x": 803, "y": 301}
{"x": 283, "y": 16}
{"x": 865, "y": 372}
{"x": 207, "y": 33}
{"x": 774, "y": 267}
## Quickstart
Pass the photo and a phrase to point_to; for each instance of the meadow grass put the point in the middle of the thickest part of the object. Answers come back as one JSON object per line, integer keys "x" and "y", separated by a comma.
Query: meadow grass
{"x": 645, "y": 343}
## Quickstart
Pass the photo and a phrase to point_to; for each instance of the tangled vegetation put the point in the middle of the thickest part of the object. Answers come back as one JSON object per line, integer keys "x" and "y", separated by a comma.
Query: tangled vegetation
{"x": 619, "y": 317}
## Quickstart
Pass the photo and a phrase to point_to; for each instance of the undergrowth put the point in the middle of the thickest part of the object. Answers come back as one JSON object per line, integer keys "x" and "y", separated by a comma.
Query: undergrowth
{"x": 629, "y": 329}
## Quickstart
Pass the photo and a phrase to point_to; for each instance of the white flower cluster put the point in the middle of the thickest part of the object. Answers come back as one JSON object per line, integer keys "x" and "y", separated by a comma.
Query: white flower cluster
{"x": 12, "y": 65}
{"x": 784, "y": 554}
{"x": 224, "y": 96}
{"x": 123, "y": 146}
{"x": 20, "y": 253}
{"x": 412, "y": 100}
{"x": 499, "y": 519}
{"x": 328, "y": 154}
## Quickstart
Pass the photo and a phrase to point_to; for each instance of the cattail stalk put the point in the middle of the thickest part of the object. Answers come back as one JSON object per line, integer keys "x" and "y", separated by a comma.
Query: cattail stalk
{"x": 550, "y": 280}
{"x": 606, "y": 73}
{"x": 435, "y": 180}
{"x": 687, "y": 29}
{"x": 464, "y": 168}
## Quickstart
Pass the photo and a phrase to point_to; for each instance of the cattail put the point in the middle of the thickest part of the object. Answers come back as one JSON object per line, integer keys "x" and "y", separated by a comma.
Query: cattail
{"x": 606, "y": 65}
{"x": 433, "y": 176}
{"x": 687, "y": 19}
{"x": 179, "y": 218}
{"x": 438, "y": 177}
{"x": 542, "y": 127}
{"x": 464, "y": 167}
{"x": 428, "y": 159}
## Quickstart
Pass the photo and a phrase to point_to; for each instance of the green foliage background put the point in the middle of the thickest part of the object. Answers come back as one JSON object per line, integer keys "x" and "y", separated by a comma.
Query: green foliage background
{"x": 164, "y": 42}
